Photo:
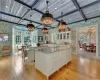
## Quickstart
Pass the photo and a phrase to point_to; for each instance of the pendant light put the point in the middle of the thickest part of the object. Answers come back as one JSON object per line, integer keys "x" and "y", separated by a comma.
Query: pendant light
{"x": 45, "y": 30}
{"x": 61, "y": 24}
{"x": 30, "y": 26}
{"x": 47, "y": 18}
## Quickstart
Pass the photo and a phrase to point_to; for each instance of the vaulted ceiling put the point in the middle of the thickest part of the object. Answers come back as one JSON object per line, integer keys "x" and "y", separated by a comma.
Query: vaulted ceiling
{"x": 19, "y": 11}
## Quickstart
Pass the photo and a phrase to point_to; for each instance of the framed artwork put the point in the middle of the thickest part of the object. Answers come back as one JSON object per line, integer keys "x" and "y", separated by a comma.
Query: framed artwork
{"x": 3, "y": 37}
{"x": 40, "y": 38}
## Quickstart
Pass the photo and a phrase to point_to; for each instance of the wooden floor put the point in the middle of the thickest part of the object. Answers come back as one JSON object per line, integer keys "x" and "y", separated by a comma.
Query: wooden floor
{"x": 12, "y": 68}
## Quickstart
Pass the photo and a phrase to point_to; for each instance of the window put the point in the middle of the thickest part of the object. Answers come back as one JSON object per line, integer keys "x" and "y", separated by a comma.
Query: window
{"x": 18, "y": 38}
{"x": 26, "y": 37}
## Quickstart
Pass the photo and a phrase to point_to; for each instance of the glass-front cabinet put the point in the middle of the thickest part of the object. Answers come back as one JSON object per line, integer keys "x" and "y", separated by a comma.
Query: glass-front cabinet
{"x": 64, "y": 35}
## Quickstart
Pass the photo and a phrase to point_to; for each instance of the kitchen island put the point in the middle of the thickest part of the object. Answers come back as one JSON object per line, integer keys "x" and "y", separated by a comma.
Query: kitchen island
{"x": 50, "y": 59}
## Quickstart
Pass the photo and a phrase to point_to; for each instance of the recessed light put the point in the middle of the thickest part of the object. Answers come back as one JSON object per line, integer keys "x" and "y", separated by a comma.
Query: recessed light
{"x": 55, "y": 8}
{"x": 6, "y": 6}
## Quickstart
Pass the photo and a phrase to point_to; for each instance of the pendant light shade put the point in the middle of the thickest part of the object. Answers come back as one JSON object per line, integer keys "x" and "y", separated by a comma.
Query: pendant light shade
{"x": 30, "y": 27}
{"x": 47, "y": 18}
{"x": 62, "y": 25}
{"x": 45, "y": 30}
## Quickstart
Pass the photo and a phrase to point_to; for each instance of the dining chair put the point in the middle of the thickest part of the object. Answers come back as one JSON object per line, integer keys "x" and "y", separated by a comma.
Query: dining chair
{"x": 92, "y": 48}
{"x": 84, "y": 46}
{"x": 6, "y": 50}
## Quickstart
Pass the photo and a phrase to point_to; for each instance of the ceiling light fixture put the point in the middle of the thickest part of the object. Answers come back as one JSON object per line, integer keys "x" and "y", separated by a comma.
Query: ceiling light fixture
{"x": 62, "y": 25}
{"x": 45, "y": 30}
{"x": 55, "y": 8}
{"x": 6, "y": 6}
{"x": 30, "y": 26}
{"x": 47, "y": 18}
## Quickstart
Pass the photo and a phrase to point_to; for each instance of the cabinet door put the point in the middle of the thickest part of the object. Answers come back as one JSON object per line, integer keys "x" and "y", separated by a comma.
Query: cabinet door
{"x": 67, "y": 35}
{"x": 64, "y": 35}
{"x": 61, "y": 36}
{"x": 58, "y": 36}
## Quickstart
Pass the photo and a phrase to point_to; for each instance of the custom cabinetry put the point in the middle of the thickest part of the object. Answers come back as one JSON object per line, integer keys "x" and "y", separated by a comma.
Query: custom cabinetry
{"x": 48, "y": 63}
{"x": 64, "y": 35}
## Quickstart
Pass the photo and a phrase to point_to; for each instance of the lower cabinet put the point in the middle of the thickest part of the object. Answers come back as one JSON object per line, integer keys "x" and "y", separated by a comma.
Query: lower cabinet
{"x": 48, "y": 63}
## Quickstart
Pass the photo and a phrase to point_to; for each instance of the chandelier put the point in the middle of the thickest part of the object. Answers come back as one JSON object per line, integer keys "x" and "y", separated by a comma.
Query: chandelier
{"x": 47, "y": 18}
{"x": 45, "y": 30}
{"x": 61, "y": 25}
{"x": 91, "y": 31}
{"x": 30, "y": 26}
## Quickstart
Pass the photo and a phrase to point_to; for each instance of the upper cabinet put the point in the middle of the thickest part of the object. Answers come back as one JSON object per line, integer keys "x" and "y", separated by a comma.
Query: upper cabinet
{"x": 64, "y": 36}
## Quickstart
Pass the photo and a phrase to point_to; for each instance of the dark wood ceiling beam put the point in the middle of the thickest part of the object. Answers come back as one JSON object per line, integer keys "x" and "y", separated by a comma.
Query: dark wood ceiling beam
{"x": 19, "y": 17}
{"x": 24, "y": 15}
{"x": 38, "y": 11}
{"x": 66, "y": 14}
{"x": 83, "y": 20}
{"x": 83, "y": 7}
{"x": 79, "y": 9}
{"x": 43, "y": 13}
{"x": 19, "y": 1}
{"x": 35, "y": 3}
{"x": 30, "y": 7}
{"x": 48, "y": 26}
{"x": 16, "y": 23}
{"x": 12, "y": 22}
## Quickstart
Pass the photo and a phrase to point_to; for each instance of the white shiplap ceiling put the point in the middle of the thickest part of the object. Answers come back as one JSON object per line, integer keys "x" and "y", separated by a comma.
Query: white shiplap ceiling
{"x": 55, "y": 7}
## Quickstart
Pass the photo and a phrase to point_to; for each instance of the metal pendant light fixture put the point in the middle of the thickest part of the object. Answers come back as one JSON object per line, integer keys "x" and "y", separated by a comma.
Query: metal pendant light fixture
{"x": 30, "y": 26}
{"x": 47, "y": 18}
{"x": 45, "y": 30}
{"x": 62, "y": 25}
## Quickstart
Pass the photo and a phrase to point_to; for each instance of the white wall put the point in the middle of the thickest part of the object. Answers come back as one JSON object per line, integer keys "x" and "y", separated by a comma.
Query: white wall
{"x": 98, "y": 40}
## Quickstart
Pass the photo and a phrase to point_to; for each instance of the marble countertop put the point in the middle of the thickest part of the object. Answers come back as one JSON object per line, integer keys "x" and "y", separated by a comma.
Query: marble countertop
{"x": 53, "y": 49}
{"x": 49, "y": 48}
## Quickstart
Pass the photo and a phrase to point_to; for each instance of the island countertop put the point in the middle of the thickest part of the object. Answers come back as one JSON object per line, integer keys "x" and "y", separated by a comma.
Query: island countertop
{"x": 52, "y": 49}
{"x": 50, "y": 59}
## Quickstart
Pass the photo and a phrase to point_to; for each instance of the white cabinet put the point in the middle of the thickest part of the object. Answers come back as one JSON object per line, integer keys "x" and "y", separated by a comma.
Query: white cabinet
{"x": 48, "y": 63}
{"x": 31, "y": 55}
{"x": 64, "y": 35}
